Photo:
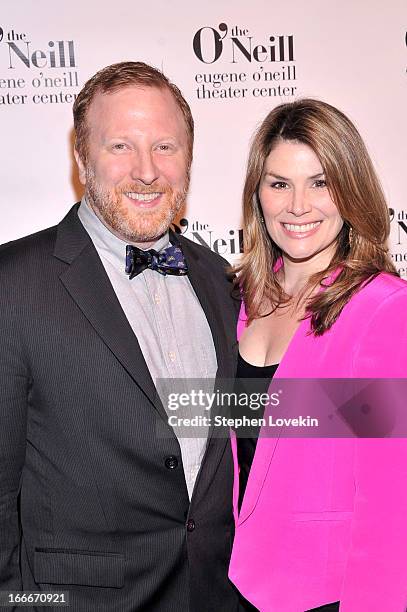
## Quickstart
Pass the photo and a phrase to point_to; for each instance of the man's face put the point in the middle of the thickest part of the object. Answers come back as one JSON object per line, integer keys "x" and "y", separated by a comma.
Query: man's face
{"x": 136, "y": 172}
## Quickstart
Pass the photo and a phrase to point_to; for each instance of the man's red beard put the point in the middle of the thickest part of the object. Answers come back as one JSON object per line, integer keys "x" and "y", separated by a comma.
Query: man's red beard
{"x": 134, "y": 223}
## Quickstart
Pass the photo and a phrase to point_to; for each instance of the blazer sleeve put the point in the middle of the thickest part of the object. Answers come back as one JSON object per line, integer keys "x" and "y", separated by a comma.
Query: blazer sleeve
{"x": 376, "y": 573}
{"x": 14, "y": 383}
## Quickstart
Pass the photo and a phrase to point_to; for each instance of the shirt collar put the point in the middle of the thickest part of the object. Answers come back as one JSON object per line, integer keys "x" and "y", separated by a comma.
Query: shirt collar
{"x": 107, "y": 244}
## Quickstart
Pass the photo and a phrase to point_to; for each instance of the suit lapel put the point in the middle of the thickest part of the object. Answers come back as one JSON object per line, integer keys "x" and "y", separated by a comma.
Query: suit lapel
{"x": 215, "y": 312}
{"x": 89, "y": 286}
{"x": 223, "y": 325}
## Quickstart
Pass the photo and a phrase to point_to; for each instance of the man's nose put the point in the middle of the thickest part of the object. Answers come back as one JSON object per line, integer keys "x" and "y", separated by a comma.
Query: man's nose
{"x": 300, "y": 203}
{"x": 144, "y": 169}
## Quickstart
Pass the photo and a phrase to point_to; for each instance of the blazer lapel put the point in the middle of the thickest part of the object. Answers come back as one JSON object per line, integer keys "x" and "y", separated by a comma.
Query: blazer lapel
{"x": 266, "y": 446}
{"x": 89, "y": 286}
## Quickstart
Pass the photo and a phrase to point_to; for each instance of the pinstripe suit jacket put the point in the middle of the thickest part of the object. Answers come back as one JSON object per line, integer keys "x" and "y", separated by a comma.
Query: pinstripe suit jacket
{"x": 87, "y": 503}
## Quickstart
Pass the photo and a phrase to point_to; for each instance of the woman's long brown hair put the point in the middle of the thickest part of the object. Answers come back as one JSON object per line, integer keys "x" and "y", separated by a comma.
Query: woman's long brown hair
{"x": 361, "y": 249}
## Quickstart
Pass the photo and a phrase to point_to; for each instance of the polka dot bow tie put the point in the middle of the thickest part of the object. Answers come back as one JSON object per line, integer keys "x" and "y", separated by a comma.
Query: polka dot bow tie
{"x": 170, "y": 261}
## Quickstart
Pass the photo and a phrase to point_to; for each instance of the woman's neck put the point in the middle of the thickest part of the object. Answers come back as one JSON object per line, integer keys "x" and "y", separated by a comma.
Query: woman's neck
{"x": 296, "y": 273}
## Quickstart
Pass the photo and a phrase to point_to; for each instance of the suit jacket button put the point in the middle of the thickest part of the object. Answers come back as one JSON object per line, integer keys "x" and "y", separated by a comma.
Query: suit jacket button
{"x": 171, "y": 462}
{"x": 190, "y": 525}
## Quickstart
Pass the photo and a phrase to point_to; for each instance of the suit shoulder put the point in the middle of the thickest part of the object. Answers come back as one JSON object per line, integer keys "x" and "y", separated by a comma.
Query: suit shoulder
{"x": 382, "y": 299}
{"x": 28, "y": 249}
{"x": 385, "y": 286}
{"x": 379, "y": 329}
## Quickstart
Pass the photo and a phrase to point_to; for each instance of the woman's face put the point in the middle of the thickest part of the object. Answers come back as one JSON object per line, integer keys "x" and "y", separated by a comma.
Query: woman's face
{"x": 299, "y": 213}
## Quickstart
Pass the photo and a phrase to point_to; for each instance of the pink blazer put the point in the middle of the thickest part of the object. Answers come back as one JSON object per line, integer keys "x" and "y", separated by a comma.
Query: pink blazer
{"x": 326, "y": 519}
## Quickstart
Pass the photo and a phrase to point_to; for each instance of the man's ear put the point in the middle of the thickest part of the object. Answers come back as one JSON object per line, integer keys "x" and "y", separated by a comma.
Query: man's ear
{"x": 81, "y": 167}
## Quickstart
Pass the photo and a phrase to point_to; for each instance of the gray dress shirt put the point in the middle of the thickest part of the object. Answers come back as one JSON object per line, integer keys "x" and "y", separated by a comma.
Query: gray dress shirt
{"x": 167, "y": 319}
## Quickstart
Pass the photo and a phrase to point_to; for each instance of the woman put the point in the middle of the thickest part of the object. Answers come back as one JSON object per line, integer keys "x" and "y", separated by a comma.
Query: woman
{"x": 322, "y": 521}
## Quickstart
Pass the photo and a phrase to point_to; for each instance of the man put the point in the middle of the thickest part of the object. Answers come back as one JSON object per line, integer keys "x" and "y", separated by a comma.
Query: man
{"x": 92, "y": 501}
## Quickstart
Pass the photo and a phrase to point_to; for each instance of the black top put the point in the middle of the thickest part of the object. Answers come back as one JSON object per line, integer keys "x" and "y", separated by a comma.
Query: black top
{"x": 250, "y": 379}
{"x": 248, "y": 370}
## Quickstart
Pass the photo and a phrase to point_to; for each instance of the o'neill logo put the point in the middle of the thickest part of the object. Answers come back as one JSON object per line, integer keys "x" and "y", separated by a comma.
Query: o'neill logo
{"x": 228, "y": 243}
{"x": 237, "y": 43}
{"x": 39, "y": 73}
{"x": 57, "y": 54}
{"x": 261, "y": 66}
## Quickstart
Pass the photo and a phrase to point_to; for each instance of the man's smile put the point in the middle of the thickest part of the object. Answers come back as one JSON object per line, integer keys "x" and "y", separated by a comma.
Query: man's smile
{"x": 142, "y": 197}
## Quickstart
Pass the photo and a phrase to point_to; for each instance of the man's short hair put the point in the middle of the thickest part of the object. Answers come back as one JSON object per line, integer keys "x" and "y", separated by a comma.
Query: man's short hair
{"x": 119, "y": 76}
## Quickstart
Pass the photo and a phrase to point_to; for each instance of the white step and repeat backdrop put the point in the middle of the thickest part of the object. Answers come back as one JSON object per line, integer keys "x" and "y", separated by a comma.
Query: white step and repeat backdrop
{"x": 233, "y": 60}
